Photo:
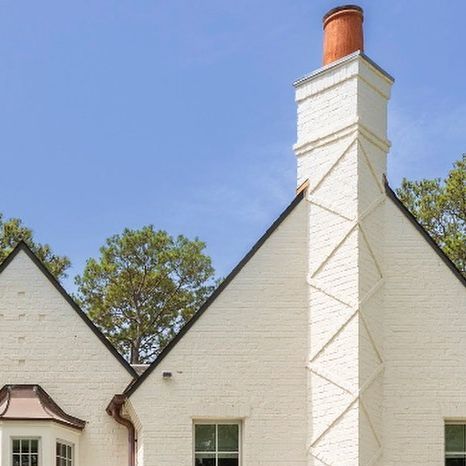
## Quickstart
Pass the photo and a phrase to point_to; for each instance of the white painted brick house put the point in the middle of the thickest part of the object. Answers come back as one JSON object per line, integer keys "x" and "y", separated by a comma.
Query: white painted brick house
{"x": 340, "y": 339}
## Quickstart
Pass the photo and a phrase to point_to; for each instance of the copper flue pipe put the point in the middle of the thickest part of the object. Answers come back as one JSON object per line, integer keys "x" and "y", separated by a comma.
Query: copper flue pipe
{"x": 343, "y": 32}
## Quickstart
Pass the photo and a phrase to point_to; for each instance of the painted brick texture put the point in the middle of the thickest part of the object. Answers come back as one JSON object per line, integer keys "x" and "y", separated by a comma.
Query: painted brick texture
{"x": 341, "y": 149}
{"x": 340, "y": 343}
{"x": 243, "y": 359}
{"x": 424, "y": 347}
{"x": 43, "y": 341}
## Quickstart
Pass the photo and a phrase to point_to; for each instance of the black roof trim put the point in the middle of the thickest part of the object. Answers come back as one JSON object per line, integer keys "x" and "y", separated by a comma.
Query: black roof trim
{"x": 136, "y": 383}
{"x": 22, "y": 246}
{"x": 407, "y": 213}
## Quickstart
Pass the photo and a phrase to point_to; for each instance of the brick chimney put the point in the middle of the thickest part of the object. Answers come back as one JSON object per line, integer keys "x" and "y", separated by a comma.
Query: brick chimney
{"x": 341, "y": 150}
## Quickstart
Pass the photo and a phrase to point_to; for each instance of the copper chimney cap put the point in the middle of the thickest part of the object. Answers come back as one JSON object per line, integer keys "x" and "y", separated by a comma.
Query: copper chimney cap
{"x": 343, "y": 32}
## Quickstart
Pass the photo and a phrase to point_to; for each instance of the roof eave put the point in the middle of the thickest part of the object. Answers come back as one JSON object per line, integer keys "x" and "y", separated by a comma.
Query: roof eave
{"x": 22, "y": 246}
{"x": 135, "y": 384}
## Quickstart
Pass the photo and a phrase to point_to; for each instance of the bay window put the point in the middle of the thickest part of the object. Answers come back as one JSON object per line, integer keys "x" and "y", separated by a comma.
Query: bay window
{"x": 35, "y": 431}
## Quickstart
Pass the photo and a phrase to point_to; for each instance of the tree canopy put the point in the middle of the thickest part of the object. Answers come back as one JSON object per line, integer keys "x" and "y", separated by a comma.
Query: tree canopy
{"x": 144, "y": 286}
{"x": 12, "y": 231}
{"x": 440, "y": 207}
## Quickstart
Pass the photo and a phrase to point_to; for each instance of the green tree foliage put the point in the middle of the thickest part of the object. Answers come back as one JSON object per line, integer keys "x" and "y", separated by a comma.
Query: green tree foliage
{"x": 440, "y": 207}
{"x": 144, "y": 286}
{"x": 12, "y": 231}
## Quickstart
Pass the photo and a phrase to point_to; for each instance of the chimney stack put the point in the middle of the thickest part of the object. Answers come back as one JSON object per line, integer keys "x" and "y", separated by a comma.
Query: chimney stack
{"x": 343, "y": 32}
{"x": 341, "y": 152}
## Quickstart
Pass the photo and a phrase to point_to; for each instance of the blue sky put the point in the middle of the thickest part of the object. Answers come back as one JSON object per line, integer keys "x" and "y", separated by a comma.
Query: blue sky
{"x": 181, "y": 114}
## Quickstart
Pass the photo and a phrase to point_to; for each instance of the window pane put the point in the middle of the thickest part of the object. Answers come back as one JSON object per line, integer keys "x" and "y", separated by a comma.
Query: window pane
{"x": 228, "y": 437}
{"x": 205, "y": 459}
{"x": 25, "y": 460}
{"x": 455, "y": 462}
{"x": 228, "y": 459}
{"x": 16, "y": 460}
{"x": 25, "y": 446}
{"x": 454, "y": 438}
{"x": 15, "y": 446}
{"x": 34, "y": 461}
{"x": 205, "y": 438}
{"x": 34, "y": 446}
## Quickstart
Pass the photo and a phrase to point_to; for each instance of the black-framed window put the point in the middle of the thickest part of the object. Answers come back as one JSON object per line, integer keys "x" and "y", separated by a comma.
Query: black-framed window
{"x": 217, "y": 444}
{"x": 455, "y": 444}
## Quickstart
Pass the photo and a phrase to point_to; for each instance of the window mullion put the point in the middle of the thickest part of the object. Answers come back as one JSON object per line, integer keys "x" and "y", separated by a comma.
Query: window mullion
{"x": 464, "y": 438}
{"x": 216, "y": 444}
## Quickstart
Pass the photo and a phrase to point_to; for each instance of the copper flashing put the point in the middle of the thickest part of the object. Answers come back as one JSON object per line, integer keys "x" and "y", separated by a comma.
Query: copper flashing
{"x": 302, "y": 187}
{"x": 32, "y": 403}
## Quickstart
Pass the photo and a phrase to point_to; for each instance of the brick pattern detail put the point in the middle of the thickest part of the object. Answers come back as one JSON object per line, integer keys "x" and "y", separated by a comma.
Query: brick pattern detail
{"x": 344, "y": 161}
{"x": 339, "y": 300}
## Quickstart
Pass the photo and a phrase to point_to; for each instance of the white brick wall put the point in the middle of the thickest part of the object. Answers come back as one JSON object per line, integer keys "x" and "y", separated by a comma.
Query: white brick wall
{"x": 243, "y": 359}
{"x": 43, "y": 341}
{"x": 340, "y": 343}
{"x": 341, "y": 149}
{"x": 425, "y": 347}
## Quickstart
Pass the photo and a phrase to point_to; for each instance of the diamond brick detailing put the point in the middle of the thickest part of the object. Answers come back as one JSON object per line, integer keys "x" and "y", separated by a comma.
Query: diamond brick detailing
{"x": 341, "y": 150}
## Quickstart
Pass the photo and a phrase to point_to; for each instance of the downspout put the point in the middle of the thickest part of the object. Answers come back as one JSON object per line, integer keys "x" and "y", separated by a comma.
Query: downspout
{"x": 114, "y": 410}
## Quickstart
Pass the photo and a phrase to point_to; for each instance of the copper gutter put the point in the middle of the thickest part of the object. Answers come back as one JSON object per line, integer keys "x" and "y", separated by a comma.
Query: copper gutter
{"x": 114, "y": 410}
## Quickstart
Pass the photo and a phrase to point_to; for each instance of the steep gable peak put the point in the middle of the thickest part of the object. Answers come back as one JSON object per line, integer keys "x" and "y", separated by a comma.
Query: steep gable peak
{"x": 23, "y": 248}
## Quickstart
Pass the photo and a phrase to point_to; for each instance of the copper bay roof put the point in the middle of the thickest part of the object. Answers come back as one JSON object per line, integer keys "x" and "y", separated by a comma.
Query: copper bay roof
{"x": 32, "y": 403}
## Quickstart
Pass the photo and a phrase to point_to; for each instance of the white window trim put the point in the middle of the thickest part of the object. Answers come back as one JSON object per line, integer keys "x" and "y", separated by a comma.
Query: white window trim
{"x": 236, "y": 422}
{"x": 47, "y": 432}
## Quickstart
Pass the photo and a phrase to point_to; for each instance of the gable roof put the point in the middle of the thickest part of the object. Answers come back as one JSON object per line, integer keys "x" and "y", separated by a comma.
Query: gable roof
{"x": 391, "y": 195}
{"x": 137, "y": 382}
{"x": 22, "y": 246}
{"x": 407, "y": 213}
